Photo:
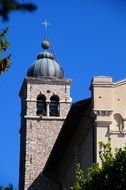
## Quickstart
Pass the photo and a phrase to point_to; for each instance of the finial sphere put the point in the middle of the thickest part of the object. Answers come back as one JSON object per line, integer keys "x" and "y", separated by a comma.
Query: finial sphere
{"x": 46, "y": 44}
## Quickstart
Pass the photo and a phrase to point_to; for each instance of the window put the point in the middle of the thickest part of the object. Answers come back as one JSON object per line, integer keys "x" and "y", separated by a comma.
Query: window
{"x": 54, "y": 106}
{"x": 41, "y": 105}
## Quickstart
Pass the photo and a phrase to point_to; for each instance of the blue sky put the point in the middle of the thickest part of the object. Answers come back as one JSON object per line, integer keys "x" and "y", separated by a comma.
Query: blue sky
{"x": 89, "y": 39}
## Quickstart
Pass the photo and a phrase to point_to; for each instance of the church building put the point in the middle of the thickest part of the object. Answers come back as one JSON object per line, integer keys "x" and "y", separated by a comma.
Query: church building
{"x": 55, "y": 134}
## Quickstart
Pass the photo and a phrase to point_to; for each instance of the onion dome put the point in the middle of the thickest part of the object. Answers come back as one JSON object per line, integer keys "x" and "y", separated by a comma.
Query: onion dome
{"x": 46, "y": 64}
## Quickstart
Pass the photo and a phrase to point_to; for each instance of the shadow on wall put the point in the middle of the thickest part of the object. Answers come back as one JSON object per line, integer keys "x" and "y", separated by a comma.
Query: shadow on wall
{"x": 60, "y": 158}
{"x": 44, "y": 183}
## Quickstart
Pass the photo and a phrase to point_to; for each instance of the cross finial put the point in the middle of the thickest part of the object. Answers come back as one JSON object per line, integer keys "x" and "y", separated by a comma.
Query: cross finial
{"x": 46, "y": 24}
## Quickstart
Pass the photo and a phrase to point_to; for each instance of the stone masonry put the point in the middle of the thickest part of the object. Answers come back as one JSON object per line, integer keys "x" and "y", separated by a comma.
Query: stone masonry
{"x": 38, "y": 133}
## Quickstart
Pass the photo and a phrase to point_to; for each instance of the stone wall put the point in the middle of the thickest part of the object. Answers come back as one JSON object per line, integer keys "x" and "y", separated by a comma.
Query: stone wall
{"x": 40, "y": 139}
{"x": 48, "y": 88}
{"x": 39, "y": 133}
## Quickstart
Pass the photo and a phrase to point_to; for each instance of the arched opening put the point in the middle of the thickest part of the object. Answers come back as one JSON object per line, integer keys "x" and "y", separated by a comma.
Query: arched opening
{"x": 54, "y": 106}
{"x": 41, "y": 105}
{"x": 119, "y": 122}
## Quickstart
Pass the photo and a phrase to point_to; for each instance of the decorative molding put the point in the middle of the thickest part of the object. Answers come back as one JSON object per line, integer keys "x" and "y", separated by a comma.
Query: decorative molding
{"x": 48, "y": 80}
{"x": 119, "y": 83}
{"x": 103, "y": 112}
{"x": 102, "y": 81}
{"x": 103, "y": 85}
{"x": 103, "y": 123}
{"x": 48, "y": 101}
{"x": 44, "y": 118}
{"x": 123, "y": 132}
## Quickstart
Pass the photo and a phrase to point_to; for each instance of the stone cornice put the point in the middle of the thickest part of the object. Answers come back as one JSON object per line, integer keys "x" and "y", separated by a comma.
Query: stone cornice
{"x": 102, "y": 81}
{"x": 39, "y": 118}
{"x": 48, "y": 80}
{"x": 103, "y": 85}
{"x": 48, "y": 101}
{"x": 119, "y": 83}
{"x": 112, "y": 132}
{"x": 104, "y": 112}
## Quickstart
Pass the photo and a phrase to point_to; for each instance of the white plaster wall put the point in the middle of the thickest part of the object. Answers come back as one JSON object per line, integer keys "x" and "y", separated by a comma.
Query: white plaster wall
{"x": 119, "y": 99}
{"x": 102, "y": 98}
{"x": 112, "y": 97}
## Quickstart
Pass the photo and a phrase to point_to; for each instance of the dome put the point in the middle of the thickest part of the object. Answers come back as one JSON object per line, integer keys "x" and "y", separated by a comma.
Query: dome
{"x": 45, "y": 65}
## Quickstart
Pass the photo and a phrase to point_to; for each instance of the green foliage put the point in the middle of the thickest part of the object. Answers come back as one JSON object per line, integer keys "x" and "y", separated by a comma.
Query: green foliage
{"x": 7, "y": 6}
{"x": 4, "y": 44}
{"x": 110, "y": 174}
{"x": 3, "y": 41}
{"x": 80, "y": 179}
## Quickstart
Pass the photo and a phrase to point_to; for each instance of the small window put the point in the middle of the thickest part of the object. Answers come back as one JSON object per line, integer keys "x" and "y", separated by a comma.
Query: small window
{"x": 54, "y": 106}
{"x": 41, "y": 105}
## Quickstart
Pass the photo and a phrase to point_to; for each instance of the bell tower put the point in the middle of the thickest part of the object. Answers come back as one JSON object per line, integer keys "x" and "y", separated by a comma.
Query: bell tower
{"x": 45, "y": 102}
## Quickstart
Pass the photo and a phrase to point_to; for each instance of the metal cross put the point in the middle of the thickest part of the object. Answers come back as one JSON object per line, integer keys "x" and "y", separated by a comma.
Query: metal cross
{"x": 46, "y": 24}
